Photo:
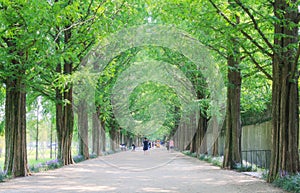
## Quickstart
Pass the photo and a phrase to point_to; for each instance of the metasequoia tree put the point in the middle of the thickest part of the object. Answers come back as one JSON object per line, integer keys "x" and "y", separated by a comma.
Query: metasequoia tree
{"x": 19, "y": 42}
{"x": 284, "y": 54}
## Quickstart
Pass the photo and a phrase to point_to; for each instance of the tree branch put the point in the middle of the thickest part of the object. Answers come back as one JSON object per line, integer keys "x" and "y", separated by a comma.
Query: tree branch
{"x": 73, "y": 25}
{"x": 257, "y": 64}
{"x": 211, "y": 47}
{"x": 255, "y": 24}
{"x": 242, "y": 31}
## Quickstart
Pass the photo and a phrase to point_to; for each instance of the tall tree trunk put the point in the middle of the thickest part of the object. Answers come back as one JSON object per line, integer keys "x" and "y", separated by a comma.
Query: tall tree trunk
{"x": 51, "y": 139}
{"x": 96, "y": 131}
{"x": 233, "y": 121}
{"x": 65, "y": 121}
{"x": 285, "y": 101}
{"x": 15, "y": 128}
{"x": 199, "y": 142}
{"x": 202, "y": 125}
{"x": 83, "y": 129}
{"x": 59, "y": 121}
{"x": 37, "y": 134}
{"x": 193, "y": 143}
{"x": 113, "y": 138}
{"x": 103, "y": 137}
{"x": 215, "y": 150}
{"x": 64, "y": 111}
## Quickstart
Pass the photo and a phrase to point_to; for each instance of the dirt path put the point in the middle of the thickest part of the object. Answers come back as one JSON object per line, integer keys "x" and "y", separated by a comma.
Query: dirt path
{"x": 128, "y": 172}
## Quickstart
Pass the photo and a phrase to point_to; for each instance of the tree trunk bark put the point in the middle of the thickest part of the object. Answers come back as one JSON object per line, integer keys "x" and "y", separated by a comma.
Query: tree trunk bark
{"x": 202, "y": 125}
{"x": 233, "y": 121}
{"x": 64, "y": 111}
{"x": 83, "y": 129}
{"x": 15, "y": 128}
{"x": 37, "y": 133}
{"x": 285, "y": 101}
{"x": 96, "y": 135}
{"x": 215, "y": 151}
{"x": 193, "y": 145}
{"x": 103, "y": 137}
{"x": 113, "y": 137}
{"x": 64, "y": 120}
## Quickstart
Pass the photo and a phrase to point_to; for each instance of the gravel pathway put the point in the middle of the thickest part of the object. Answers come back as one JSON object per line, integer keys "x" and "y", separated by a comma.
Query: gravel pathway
{"x": 129, "y": 172}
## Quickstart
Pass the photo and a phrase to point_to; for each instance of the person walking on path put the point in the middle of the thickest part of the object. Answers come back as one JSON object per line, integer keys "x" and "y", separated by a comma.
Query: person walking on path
{"x": 171, "y": 145}
{"x": 145, "y": 145}
{"x": 133, "y": 147}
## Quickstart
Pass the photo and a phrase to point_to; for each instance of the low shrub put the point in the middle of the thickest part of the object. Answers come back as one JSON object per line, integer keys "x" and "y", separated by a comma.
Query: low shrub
{"x": 202, "y": 157}
{"x": 92, "y": 156}
{"x": 48, "y": 165}
{"x": 186, "y": 152}
{"x": 244, "y": 168}
{"x": 2, "y": 176}
{"x": 78, "y": 158}
{"x": 53, "y": 164}
{"x": 217, "y": 161}
{"x": 289, "y": 182}
{"x": 194, "y": 154}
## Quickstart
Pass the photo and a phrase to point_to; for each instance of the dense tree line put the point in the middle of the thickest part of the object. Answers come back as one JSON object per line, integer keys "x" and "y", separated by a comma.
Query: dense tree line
{"x": 256, "y": 44}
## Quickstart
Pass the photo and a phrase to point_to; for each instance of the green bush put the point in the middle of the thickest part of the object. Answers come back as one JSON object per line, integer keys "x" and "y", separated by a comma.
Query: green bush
{"x": 186, "y": 152}
{"x": 289, "y": 182}
{"x": 202, "y": 157}
{"x": 217, "y": 161}
{"x": 242, "y": 168}
{"x": 2, "y": 176}
{"x": 92, "y": 156}
{"x": 44, "y": 166}
{"x": 78, "y": 158}
{"x": 194, "y": 154}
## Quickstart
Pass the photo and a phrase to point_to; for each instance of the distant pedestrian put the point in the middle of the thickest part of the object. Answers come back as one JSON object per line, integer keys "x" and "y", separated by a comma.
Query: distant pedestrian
{"x": 171, "y": 145}
{"x": 133, "y": 147}
{"x": 145, "y": 145}
{"x": 167, "y": 145}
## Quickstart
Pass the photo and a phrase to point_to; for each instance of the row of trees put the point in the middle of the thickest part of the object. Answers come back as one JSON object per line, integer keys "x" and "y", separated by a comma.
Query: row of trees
{"x": 43, "y": 42}
{"x": 257, "y": 39}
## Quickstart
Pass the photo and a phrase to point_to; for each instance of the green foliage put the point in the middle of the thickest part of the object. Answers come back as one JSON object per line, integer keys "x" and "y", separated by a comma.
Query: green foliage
{"x": 197, "y": 17}
{"x": 78, "y": 158}
{"x": 44, "y": 166}
{"x": 216, "y": 161}
{"x": 290, "y": 183}
{"x": 148, "y": 93}
{"x": 2, "y": 176}
{"x": 243, "y": 168}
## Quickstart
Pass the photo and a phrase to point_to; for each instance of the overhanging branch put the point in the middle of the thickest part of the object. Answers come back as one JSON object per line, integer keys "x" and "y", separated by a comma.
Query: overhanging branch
{"x": 242, "y": 31}
{"x": 255, "y": 24}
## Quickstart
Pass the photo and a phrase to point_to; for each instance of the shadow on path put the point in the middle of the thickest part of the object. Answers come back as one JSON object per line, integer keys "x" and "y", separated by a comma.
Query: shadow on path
{"x": 128, "y": 172}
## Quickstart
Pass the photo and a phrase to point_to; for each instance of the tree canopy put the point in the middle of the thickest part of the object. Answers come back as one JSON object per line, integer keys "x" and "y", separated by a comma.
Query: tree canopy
{"x": 253, "y": 45}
